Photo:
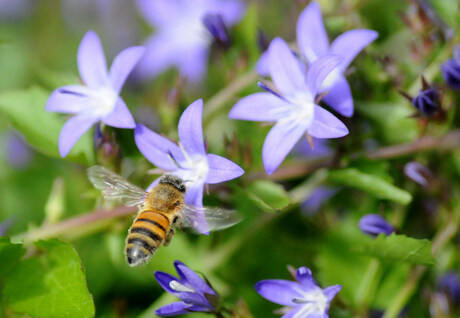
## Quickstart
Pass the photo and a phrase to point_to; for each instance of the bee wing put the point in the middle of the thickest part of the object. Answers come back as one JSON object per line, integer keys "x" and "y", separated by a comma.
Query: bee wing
{"x": 115, "y": 187}
{"x": 205, "y": 219}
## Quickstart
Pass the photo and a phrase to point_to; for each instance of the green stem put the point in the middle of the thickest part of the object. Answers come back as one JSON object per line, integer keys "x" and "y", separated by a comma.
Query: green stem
{"x": 225, "y": 95}
{"x": 369, "y": 283}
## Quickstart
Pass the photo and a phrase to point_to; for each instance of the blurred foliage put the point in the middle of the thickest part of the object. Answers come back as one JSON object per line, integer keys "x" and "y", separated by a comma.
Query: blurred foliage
{"x": 84, "y": 273}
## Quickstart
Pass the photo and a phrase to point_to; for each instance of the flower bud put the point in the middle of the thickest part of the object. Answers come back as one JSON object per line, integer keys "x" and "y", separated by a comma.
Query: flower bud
{"x": 427, "y": 101}
{"x": 374, "y": 224}
{"x": 451, "y": 70}
{"x": 418, "y": 173}
{"x": 216, "y": 26}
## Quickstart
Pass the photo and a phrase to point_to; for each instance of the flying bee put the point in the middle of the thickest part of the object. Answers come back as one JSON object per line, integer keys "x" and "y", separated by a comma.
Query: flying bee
{"x": 161, "y": 210}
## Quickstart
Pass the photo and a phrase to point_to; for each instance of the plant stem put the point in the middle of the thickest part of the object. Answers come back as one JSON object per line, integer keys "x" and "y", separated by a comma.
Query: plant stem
{"x": 368, "y": 285}
{"x": 225, "y": 95}
{"x": 76, "y": 226}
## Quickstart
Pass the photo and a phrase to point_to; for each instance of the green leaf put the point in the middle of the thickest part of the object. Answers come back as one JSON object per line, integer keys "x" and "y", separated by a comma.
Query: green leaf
{"x": 269, "y": 196}
{"x": 10, "y": 254}
{"x": 50, "y": 285}
{"x": 399, "y": 248}
{"x": 25, "y": 109}
{"x": 371, "y": 184}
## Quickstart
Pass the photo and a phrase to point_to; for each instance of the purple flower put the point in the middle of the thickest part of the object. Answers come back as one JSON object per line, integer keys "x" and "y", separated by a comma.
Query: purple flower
{"x": 17, "y": 151}
{"x": 451, "y": 69}
{"x": 317, "y": 199}
{"x": 182, "y": 40}
{"x": 313, "y": 44}
{"x": 216, "y": 26}
{"x": 99, "y": 100}
{"x": 374, "y": 224}
{"x": 189, "y": 159}
{"x": 427, "y": 101}
{"x": 418, "y": 173}
{"x": 293, "y": 108}
{"x": 450, "y": 284}
{"x": 195, "y": 294}
{"x": 304, "y": 297}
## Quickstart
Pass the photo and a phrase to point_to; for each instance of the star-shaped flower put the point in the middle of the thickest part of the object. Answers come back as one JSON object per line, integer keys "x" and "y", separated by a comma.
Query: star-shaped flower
{"x": 98, "y": 99}
{"x": 195, "y": 294}
{"x": 313, "y": 43}
{"x": 304, "y": 298}
{"x": 182, "y": 39}
{"x": 189, "y": 159}
{"x": 294, "y": 108}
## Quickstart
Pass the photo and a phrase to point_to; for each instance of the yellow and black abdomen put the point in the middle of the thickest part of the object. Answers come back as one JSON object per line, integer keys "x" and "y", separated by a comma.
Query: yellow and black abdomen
{"x": 145, "y": 236}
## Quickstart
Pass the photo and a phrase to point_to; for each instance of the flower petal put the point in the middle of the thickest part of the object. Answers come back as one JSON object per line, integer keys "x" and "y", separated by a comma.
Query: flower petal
{"x": 350, "y": 43}
{"x": 262, "y": 66}
{"x": 278, "y": 291}
{"x": 230, "y": 10}
{"x": 158, "y": 13}
{"x": 339, "y": 97}
{"x": 120, "y": 116}
{"x": 326, "y": 125}
{"x": 172, "y": 309}
{"x": 164, "y": 279}
{"x": 319, "y": 70}
{"x": 331, "y": 291}
{"x": 123, "y": 64}
{"x": 72, "y": 130}
{"x": 279, "y": 142}
{"x": 311, "y": 35}
{"x": 156, "y": 148}
{"x": 194, "y": 299}
{"x": 304, "y": 311}
{"x": 91, "y": 61}
{"x": 304, "y": 277}
{"x": 194, "y": 61}
{"x": 161, "y": 53}
{"x": 69, "y": 99}
{"x": 221, "y": 169}
{"x": 285, "y": 70}
{"x": 193, "y": 279}
{"x": 191, "y": 130}
{"x": 194, "y": 194}
{"x": 257, "y": 107}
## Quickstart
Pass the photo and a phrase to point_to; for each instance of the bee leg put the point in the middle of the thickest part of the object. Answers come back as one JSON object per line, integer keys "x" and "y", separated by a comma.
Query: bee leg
{"x": 169, "y": 237}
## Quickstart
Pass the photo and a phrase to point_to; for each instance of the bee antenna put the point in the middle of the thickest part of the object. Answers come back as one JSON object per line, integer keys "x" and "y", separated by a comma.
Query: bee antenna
{"x": 173, "y": 160}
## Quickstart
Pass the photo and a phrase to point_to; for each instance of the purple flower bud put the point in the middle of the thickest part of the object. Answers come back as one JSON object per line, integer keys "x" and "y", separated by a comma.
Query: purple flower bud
{"x": 216, "y": 26}
{"x": 427, "y": 101}
{"x": 450, "y": 284}
{"x": 374, "y": 224}
{"x": 417, "y": 173}
{"x": 451, "y": 70}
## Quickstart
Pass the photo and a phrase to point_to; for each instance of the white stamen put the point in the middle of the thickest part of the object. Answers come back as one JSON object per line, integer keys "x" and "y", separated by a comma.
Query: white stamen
{"x": 178, "y": 287}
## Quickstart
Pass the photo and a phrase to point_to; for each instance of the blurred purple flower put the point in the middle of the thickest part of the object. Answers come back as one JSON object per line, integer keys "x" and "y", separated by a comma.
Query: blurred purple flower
{"x": 418, "y": 173}
{"x": 5, "y": 225}
{"x": 316, "y": 200}
{"x": 304, "y": 298}
{"x": 17, "y": 152}
{"x": 451, "y": 69}
{"x": 450, "y": 284}
{"x": 293, "y": 109}
{"x": 195, "y": 294}
{"x": 313, "y": 43}
{"x": 216, "y": 26}
{"x": 320, "y": 148}
{"x": 374, "y": 224}
{"x": 16, "y": 10}
{"x": 189, "y": 159}
{"x": 181, "y": 39}
{"x": 99, "y": 100}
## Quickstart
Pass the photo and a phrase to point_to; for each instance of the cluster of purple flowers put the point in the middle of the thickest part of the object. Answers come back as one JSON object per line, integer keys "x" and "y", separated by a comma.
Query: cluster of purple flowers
{"x": 303, "y": 299}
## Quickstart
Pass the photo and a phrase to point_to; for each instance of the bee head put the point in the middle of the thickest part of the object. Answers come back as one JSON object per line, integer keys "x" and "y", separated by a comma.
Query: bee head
{"x": 174, "y": 181}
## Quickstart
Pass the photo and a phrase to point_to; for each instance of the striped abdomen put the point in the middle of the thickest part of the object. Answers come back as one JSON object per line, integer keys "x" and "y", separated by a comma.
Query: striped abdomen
{"x": 145, "y": 236}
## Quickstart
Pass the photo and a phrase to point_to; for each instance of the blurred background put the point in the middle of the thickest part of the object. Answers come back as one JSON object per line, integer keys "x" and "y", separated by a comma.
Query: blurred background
{"x": 303, "y": 215}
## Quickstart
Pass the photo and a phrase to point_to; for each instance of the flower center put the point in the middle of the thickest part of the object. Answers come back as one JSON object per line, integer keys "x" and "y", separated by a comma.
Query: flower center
{"x": 178, "y": 287}
{"x": 106, "y": 98}
{"x": 311, "y": 303}
{"x": 195, "y": 168}
{"x": 300, "y": 110}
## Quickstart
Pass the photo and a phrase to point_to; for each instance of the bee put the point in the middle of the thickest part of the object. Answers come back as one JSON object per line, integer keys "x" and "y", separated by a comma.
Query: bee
{"x": 161, "y": 210}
